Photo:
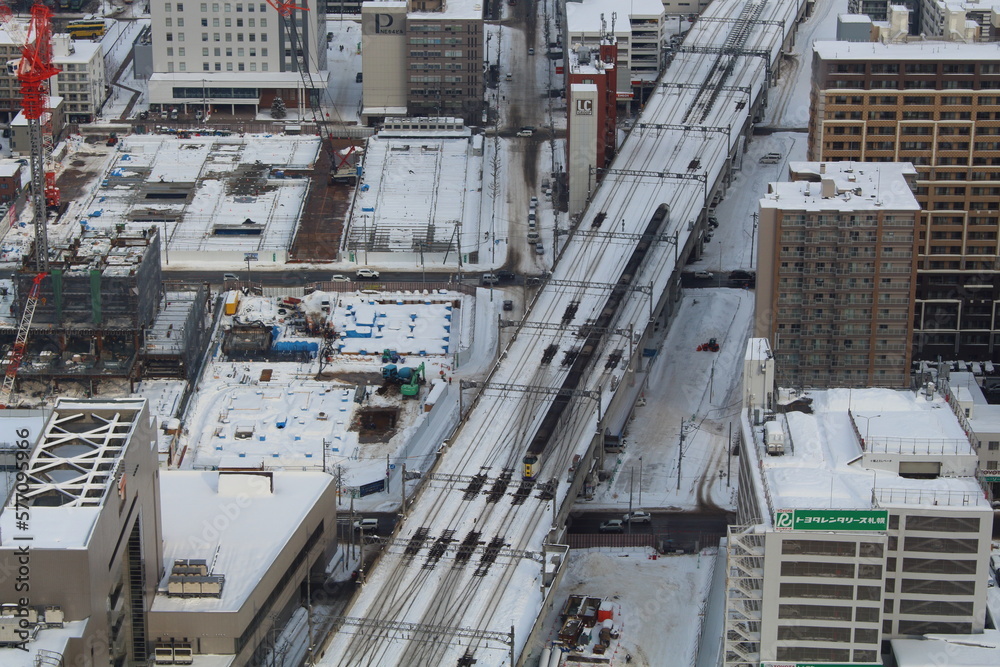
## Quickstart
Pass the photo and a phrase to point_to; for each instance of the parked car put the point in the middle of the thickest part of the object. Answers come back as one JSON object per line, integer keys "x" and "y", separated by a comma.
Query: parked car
{"x": 230, "y": 277}
{"x": 704, "y": 275}
{"x": 524, "y": 133}
{"x": 771, "y": 158}
{"x": 359, "y": 77}
{"x": 539, "y": 249}
{"x": 509, "y": 76}
{"x": 638, "y": 516}
{"x": 339, "y": 278}
{"x": 613, "y": 526}
{"x": 508, "y": 304}
{"x": 505, "y": 276}
{"x": 367, "y": 273}
{"x": 533, "y": 236}
{"x": 533, "y": 203}
{"x": 366, "y": 524}
{"x": 489, "y": 279}
{"x": 531, "y": 51}
{"x": 713, "y": 222}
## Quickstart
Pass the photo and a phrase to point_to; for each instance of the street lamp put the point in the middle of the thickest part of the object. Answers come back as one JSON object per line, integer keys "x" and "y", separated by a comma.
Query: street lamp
{"x": 868, "y": 425}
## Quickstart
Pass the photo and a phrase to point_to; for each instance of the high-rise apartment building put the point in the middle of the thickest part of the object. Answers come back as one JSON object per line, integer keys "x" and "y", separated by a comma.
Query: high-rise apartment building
{"x": 236, "y": 55}
{"x": 860, "y": 520}
{"x": 937, "y": 106}
{"x": 836, "y": 273}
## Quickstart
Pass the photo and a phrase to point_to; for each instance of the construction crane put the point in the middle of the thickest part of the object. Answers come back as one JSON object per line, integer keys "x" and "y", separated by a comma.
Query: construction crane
{"x": 33, "y": 70}
{"x": 20, "y": 343}
{"x": 339, "y": 166}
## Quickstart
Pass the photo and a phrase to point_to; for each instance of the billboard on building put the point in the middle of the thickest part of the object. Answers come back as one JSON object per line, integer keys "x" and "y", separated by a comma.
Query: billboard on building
{"x": 831, "y": 520}
{"x": 383, "y": 55}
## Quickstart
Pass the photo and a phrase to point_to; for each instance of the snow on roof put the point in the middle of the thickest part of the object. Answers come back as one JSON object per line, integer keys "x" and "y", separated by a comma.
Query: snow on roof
{"x": 416, "y": 190}
{"x": 8, "y": 168}
{"x": 452, "y": 9}
{"x": 856, "y": 186}
{"x": 229, "y": 186}
{"x": 587, "y": 16}
{"x": 72, "y": 468}
{"x": 821, "y": 467}
{"x": 317, "y": 79}
{"x": 83, "y": 51}
{"x": 854, "y": 18}
{"x": 922, "y": 50}
{"x": 258, "y": 527}
{"x": 49, "y": 640}
{"x": 975, "y": 650}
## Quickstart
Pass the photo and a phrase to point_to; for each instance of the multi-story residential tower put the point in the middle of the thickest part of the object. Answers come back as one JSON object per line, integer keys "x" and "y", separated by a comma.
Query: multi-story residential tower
{"x": 937, "y": 106}
{"x": 236, "y": 55}
{"x": 836, "y": 273}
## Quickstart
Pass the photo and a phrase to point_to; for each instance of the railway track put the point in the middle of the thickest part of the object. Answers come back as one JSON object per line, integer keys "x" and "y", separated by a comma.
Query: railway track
{"x": 674, "y": 167}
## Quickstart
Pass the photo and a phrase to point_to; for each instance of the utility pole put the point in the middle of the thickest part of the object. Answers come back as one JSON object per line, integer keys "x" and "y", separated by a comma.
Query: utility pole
{"x": 729, "y": 455}
{"x": 753, "y": 234}
{"x": 403, "y": 488}
{"x": 631, "y": 478}
{"x": 640, "y": 481}
{"x": 680, "y": 456}
{"x": 340, "y": 484}
{"x": 387, "y": 473}
{"x": 351, "y": 527}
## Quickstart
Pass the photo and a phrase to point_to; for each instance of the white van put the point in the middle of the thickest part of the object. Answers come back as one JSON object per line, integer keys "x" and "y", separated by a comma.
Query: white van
{"x": 366, "y": 525}
{"x": 771, "y": 158}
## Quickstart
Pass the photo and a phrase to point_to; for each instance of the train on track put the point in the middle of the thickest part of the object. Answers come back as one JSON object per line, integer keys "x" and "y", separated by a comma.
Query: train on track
{"x": 593, "y": 332}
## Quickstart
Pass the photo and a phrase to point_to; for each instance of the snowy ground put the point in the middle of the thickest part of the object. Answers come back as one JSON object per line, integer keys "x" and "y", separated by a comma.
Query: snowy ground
{"x": 652, "y": 601}
{"x": 706, "y": 401}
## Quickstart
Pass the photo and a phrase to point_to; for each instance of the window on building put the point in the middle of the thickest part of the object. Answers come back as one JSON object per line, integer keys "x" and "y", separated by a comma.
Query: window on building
{"x": 170, "y": 36}
{"x": 169, "y": 22}
{"x": 204, "y": 23}
{"x": 170, "y": 51}
{"x": 182, "y": 66}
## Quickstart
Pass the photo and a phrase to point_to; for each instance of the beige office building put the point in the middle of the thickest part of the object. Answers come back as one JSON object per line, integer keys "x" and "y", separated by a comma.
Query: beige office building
{"x": 87, "y": 514}
{"x": 836, "y": 274}
{"x": 868, "y": 524}
{"x": 423, "y": 58}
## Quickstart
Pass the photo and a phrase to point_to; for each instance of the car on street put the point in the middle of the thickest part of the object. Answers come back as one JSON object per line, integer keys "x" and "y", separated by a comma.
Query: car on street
{"x": 524, "y": 133}
{"x": 366, "y": 524}
{"x": 366, "y": 273}
{"x": 704, "y": 275}
{"x": 613, "y": 526}
{"x": 505, "y": 276}
{"x": 539, "y": 249}
{"x": 531, "y": 51}
{"x": 534, "y": 201}
{"x": 489, "y": 279}
{"x": 230, "y": 277}
{"x": 508, "y": 304}
{"x": 339, "y": 278}
{"x": 638, "y": 516}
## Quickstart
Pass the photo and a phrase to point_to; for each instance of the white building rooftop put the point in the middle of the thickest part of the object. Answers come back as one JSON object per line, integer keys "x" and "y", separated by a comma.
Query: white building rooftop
{"x": 924, "y": 50}
{"x": 258, "y": 525}
{"x": 71, "y": 471}
{"x": 980, "y": 650}
{"x": 825, "y": 466}
{"x": 586, "y": 16}
{"x": 844, "y": 186}
{"x": 452, "y": 9}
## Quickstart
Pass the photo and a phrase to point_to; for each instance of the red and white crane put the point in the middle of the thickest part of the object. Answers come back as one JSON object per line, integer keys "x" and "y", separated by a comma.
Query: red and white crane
{"x": 34, "y": 69}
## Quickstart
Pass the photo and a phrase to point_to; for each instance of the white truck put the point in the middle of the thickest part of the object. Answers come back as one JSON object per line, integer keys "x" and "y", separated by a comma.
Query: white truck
{"x": 774, "y": 438}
